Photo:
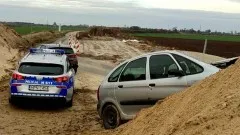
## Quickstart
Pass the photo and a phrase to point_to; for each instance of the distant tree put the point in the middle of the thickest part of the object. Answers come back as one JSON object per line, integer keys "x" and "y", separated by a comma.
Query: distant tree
{"x": 192, "y": 30}
{"x": 208, "y": 31}
{"x": 135, "y": 28}
{"x": 174, "y": 29}
{"x": 54, "y": 24}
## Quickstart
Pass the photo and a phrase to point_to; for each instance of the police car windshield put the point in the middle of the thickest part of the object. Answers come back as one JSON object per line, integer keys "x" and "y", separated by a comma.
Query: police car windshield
{"x": 41, "y": 69}
{"x": 67, "y": 50}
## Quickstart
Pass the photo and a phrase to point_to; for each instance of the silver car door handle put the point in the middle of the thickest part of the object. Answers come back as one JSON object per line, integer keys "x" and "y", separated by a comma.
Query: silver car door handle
{"x": 120, "y": 86}
{"x": 152, "y": 85}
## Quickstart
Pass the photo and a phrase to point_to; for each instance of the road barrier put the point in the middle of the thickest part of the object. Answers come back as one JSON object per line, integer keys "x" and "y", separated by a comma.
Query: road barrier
{"x": 74, "y": 43}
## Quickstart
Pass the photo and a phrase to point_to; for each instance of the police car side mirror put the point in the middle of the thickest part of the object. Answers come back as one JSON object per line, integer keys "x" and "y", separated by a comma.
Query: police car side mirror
{"x": 72, "y": 70}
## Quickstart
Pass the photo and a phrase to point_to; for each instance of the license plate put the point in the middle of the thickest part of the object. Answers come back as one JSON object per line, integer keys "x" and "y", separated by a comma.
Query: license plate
{"x": 38, "y": 88}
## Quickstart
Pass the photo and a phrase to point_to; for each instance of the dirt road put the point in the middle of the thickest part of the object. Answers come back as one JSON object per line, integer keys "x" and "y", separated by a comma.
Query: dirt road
{"x": 44, "y": 118}
{"x": 40, "y": 117}
{"x": 47, "y": 118}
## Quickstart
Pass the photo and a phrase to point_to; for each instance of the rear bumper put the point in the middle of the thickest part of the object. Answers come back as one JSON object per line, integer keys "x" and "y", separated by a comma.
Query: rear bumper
{"x": 61, "y": 93}
{"x": 35, "y": 99}
{"x": 32, "y": 95}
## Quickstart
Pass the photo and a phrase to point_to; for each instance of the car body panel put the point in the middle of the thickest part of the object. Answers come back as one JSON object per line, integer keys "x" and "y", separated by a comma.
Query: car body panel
{"x": 165, "y": 87}
{"x": 135, "y": 95}
{"x": 73, "y": 60}
{"x": 20, "y": 88}
{"x": 132, "y": 97}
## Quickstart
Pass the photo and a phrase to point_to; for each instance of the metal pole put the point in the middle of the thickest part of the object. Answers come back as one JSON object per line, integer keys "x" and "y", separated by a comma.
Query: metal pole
{"x": 205, "y": 46}
{"x": 59, "y": 27}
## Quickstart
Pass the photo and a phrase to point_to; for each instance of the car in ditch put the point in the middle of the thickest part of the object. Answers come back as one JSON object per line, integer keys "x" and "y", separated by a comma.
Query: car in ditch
{"x": 68, "y": 51}
{"x": 43, "y": 74}
{"x": 142, "y": 81}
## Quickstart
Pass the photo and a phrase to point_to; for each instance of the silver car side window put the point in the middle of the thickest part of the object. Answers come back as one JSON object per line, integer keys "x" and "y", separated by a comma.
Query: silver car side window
{"x": 188, "y": 66}
{"x": 134, "y": 71}
{"x": 160, "y": 65}
{"x": 115, "y": 75}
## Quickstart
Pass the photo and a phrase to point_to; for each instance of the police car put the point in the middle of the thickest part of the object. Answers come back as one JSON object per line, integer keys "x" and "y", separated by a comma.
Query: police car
{"x": 43, "y": 73}
{"x": 68, "y": 51}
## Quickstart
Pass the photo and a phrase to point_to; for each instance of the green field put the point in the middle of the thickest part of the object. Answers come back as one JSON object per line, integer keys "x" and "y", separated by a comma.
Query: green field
{"x": 191, "y": 36}
{"x": 23, "y": 30}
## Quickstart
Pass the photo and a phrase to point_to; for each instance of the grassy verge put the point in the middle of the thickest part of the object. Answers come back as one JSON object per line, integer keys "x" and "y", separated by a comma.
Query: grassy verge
{"x": 191, "y": 36}
{"x": 24, "y": 30}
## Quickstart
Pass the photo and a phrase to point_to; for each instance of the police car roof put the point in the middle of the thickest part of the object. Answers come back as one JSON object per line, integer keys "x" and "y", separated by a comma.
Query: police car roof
{"x": 45, "y": 58}
{"x": 55, "y": 45}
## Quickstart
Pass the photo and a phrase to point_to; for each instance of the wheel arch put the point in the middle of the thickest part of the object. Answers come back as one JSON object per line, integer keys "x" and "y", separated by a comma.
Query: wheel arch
{"x": 109, "y": 103}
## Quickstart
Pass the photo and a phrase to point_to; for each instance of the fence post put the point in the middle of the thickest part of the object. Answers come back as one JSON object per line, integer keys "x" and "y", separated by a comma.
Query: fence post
{"x": 59, "y": 27}
{"x": 205, "y": 46}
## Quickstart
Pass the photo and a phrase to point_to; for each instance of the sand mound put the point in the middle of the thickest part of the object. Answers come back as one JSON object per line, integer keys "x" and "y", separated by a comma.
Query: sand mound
{"x": 81, "y": 35}
{"x": 105, "y": 31}
{"x": 11, "y": 43}
{"x": 102, "y": 32}
{"x": 10, "y": 39}
{"x": 13, "y": 46}
{"x": 44, "y": 36}
{"x": 209, "y": 107}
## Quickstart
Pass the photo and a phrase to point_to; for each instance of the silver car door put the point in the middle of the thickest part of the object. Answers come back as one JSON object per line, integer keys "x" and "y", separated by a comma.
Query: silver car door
{"x": 193, "y": 71}
{"x": 131, "y": 90}
{"x": 113, "y": 81}
{"x": 162, "y": 84}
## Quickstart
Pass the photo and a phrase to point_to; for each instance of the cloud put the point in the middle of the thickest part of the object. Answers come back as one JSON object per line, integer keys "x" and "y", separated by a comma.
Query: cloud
{"x": 144, "y": 17}
{"x": 71, "y": 4}
{"x": 145, "y": 13}
{"x": 230, "y": 6}
{"x": 235, "y": 0}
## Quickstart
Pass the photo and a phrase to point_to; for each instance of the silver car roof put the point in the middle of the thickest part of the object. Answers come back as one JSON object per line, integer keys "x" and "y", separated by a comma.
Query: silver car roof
{"x": 165, "y": 52}
{"x": 45, "y": 58}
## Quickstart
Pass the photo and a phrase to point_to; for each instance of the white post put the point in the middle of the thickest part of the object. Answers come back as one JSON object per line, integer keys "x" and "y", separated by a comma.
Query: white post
{"x": 83, "y": 47}
{"x": 59, "y": 27}
{"x": 205, "y": 46}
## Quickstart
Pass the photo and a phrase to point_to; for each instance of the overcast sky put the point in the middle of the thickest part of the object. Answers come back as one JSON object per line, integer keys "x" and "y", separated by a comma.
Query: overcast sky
{"x": 221, "y": 15}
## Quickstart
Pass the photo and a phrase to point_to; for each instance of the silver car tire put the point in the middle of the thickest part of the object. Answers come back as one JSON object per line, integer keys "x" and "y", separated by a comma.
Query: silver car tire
{"x": 111, "y": 117}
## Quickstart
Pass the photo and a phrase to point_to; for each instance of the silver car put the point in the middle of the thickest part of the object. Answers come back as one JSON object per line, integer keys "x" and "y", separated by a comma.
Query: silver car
{"x": 142, "y": 81}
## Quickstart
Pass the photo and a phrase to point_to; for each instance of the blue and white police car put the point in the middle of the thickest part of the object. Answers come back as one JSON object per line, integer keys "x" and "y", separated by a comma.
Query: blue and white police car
{"x": 43, "y": 73}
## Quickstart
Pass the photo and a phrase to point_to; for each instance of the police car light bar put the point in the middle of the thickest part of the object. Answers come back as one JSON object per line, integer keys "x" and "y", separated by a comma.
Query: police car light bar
{"x": 49, "y": 51}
